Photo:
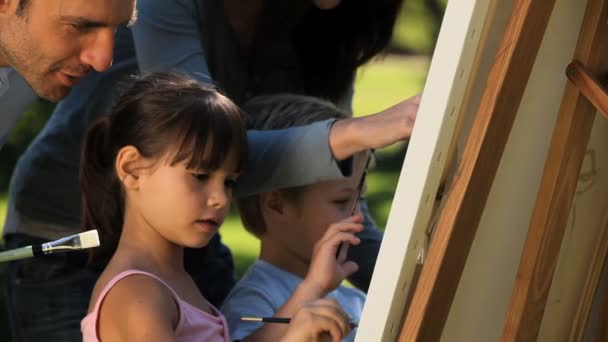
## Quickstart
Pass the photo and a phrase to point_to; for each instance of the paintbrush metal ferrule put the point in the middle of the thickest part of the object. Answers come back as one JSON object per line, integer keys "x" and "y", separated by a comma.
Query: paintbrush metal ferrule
{"x": 74, "y": 242}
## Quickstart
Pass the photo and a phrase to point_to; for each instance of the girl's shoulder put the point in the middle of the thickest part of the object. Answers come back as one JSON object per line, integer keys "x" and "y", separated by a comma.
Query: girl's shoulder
{"x": 136, "y": 298}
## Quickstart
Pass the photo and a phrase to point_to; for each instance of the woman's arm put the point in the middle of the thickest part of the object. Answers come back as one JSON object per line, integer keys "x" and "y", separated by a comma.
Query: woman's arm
{"x": 309, "y": 154}
{"x": 290, "y": 157}
{"x": 167, "y": 37}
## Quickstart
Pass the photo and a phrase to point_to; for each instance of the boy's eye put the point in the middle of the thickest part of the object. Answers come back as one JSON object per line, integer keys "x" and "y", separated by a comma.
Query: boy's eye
{"x": 230, "y": 183}
{"x": 342, "y": 201}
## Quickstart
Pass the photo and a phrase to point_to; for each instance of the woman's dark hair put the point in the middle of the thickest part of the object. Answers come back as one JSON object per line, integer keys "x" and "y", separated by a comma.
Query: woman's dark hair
{"x": 330, "y": 44}
{"x": 158, "y": 113}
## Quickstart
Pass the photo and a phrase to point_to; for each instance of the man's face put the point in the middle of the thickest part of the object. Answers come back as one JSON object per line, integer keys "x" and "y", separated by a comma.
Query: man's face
{"x": 53, "y": 44}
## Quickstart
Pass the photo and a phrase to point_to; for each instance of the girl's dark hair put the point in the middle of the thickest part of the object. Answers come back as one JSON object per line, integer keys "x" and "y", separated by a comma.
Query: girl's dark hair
{"x": 158, "y": 113}
{"x": 331, "y": 44}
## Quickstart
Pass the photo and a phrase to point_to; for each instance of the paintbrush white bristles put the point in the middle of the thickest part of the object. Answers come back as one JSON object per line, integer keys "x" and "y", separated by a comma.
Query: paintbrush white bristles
{"x": 74, "y": 242}
{"x": 89, "y": 239}
{"x": 71, "y": 243}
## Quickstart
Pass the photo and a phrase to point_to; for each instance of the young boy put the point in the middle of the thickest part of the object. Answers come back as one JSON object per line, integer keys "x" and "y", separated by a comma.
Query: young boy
{"x": 301, "y": 230}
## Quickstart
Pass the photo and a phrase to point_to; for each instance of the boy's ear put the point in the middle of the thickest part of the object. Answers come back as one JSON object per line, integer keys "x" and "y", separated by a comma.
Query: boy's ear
{"x": 272, "y": 202}
{"x": 128, "y": 166}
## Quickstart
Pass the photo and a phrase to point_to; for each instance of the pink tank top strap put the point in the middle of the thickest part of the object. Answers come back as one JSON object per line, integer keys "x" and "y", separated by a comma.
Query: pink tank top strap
{"x": 125, "y": 274}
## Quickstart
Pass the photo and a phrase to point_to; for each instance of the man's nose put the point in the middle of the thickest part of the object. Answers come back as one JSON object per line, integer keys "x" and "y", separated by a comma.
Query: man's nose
{"x": 98, "y": 54}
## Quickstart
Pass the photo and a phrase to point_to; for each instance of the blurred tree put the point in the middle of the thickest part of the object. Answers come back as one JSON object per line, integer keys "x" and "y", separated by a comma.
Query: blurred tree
{"x": 418, "y": 26}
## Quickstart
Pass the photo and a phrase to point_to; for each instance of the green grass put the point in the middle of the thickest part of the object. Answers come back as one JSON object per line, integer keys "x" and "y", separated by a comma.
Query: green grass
{"x": 387, "y": 81}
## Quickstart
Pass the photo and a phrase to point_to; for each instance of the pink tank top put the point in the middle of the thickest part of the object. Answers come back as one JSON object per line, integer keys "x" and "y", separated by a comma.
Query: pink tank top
{"x": 194, "y": 324}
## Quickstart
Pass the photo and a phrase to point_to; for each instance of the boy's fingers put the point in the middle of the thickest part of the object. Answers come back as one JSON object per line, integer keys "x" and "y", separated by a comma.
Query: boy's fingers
{"x": 350, "y": 267}
{"x": 341, "y": 227}
{"x": 335, "y": 242}
{"x": 342, "y": 252}
{"x": 343, "y": 237}
{"x": 358, "y": 217}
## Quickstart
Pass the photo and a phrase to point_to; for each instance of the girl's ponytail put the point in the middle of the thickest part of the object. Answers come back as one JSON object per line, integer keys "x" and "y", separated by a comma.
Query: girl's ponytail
{"x": 102, "y": 201}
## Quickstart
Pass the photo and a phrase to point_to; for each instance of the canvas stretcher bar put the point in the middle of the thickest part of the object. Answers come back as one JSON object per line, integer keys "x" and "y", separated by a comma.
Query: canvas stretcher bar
{"x": 447, "y": 84}
{"x": 466, "y": 199}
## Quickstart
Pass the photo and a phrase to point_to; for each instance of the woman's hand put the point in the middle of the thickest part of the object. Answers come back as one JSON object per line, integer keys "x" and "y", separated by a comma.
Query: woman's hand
{"x": 349, "y": 136}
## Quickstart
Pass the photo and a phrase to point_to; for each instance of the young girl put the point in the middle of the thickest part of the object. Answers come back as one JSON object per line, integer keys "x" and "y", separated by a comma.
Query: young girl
{"x": 156, "y": 177}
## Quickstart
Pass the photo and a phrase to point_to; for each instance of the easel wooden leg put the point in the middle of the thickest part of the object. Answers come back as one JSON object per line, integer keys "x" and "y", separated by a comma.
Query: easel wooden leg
{"x": 466, "y": 200}
{"x": 558, "y": 185}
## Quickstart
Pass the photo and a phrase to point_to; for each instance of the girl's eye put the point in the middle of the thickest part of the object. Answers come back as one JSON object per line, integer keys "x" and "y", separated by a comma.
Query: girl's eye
{"x": 200, "y": 176}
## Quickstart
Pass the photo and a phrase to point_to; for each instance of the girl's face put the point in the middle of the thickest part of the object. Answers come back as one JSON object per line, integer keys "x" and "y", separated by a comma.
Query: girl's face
{"x": 186, "y": 206}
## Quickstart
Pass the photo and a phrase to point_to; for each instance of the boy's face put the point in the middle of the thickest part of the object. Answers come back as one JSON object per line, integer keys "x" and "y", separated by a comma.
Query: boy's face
{"x": 317, "y": 207}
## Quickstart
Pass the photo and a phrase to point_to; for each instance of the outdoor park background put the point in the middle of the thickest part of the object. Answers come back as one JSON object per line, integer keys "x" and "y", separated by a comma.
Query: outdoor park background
{"x": 399, "y": 74}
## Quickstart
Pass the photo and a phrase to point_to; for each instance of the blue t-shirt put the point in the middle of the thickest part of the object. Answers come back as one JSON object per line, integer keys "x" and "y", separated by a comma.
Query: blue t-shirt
{"x": 264, "y": 288}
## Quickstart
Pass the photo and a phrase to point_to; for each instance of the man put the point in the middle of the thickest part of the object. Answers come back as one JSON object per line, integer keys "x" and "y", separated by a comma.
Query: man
{"x": 48, "y": 46}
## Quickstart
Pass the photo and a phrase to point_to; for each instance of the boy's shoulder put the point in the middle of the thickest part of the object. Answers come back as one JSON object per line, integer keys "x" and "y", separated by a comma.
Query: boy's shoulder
{"x": 266, "y": 278}
{"x": 263, "y": 282}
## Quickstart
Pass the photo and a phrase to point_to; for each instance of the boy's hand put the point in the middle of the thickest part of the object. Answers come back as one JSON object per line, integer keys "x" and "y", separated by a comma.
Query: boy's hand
{"x": 320, "y": 320}
{"x": 326, "y": 272}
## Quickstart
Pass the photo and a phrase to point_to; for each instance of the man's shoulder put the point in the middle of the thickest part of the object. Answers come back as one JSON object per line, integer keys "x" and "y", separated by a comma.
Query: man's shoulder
{"x": 15, "y": 96}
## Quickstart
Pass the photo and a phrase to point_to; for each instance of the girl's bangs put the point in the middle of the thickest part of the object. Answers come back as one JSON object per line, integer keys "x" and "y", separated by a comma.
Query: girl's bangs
{"x": 208, "y": 139}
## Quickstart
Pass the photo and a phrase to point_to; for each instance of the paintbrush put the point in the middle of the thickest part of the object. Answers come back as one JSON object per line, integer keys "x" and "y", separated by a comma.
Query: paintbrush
{"x": 284, "y": 320}
{"x": 71, "y": 243}
{"x": 344, "y": 246}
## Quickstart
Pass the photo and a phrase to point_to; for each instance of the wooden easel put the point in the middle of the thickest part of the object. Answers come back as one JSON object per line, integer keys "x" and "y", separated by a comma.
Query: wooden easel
{"x": 583, "y": 95}
{"x": 427, "y": 314}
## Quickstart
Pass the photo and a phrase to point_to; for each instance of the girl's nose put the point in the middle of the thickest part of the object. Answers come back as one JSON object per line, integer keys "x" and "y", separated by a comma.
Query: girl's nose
{"x": 218, "y": 197}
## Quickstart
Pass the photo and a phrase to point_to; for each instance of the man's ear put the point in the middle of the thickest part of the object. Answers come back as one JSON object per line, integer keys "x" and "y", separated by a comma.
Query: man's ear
{"x": 129, "y": 163}
{"x": 271, "y": 203}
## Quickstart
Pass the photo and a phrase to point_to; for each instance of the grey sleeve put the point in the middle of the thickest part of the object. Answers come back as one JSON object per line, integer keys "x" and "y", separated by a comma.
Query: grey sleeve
{"x": 167, "y": 37}
{"x": 290, "y": 157}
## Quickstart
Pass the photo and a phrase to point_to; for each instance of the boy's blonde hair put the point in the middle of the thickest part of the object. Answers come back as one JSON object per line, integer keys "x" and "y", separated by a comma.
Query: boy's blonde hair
{"x": 277, "y": 112}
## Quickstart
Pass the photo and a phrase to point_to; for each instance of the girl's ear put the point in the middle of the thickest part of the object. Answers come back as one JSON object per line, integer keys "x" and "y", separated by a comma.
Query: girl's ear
{"x": 128, "y": 166}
